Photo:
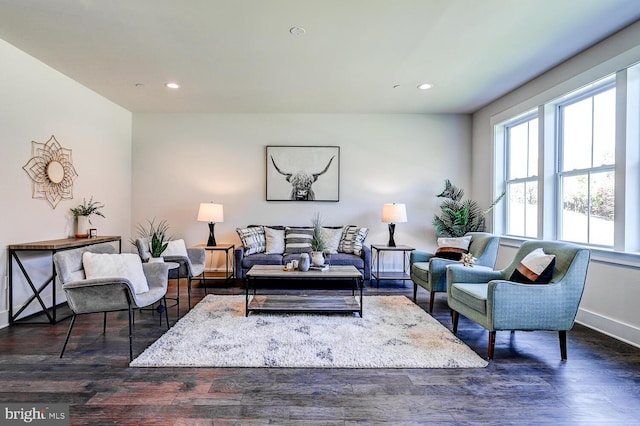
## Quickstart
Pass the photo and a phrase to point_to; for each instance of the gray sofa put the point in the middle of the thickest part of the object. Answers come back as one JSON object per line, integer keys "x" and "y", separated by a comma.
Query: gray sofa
{"x": 243, "y": 262}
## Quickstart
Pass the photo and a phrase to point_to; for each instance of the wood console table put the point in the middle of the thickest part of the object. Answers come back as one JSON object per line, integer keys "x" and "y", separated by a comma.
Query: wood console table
{"x": 51, "y": 246}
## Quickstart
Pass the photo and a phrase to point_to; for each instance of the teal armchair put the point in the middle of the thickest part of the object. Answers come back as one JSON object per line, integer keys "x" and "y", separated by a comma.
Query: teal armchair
{"x": 490, "y": 299}
{"x": 429, "y": 272}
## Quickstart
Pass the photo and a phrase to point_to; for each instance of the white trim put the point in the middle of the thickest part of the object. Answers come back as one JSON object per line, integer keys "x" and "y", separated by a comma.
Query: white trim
{"x": 620, "y": 331}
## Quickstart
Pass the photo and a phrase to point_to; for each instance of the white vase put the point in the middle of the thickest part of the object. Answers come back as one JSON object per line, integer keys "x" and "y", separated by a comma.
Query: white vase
{"x": 156, "y": 259}
{"x": 317, "y": 258}
{"x": 82, "y": 227}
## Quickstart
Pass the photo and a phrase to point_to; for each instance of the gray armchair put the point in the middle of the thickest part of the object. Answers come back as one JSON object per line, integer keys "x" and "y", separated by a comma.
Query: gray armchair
{"x": 429, "y": 272}
{"x": 87, "y": 296}
{"x": 490, "y": 299}
{"x": 191, "y": 266}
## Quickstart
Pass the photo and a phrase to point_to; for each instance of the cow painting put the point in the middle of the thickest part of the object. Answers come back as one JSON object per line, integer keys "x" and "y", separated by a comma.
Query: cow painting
{"x": 302, "y": 181}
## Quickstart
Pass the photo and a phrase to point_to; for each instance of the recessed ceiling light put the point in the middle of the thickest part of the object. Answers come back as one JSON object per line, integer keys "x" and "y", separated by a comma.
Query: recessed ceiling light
{"x": 172, "y": 85}
{"x": 297, "y": 31}
{"x": 425, "y": 86}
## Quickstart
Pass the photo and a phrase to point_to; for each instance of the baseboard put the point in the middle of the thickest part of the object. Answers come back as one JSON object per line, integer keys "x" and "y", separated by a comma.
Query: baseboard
{"x": 616, "y": 329}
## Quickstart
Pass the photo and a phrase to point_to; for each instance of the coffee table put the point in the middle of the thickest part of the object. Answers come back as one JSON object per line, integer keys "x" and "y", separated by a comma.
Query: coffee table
{"x": 333, "y": 280}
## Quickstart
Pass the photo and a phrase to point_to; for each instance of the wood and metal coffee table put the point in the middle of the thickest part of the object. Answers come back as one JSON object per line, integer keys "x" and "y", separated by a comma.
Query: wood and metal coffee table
{"x": 266, "y": 290}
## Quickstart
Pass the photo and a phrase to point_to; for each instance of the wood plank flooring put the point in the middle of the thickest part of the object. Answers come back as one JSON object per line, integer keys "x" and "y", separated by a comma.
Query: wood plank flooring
{"x": 525, "y": 384}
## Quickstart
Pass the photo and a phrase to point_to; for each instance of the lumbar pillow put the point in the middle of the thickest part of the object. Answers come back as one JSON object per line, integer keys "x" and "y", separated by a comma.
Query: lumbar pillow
{"x": 297, "y": 240}
{"x": 536, "y": 268}
{"x": 274, "y": 240}
{"x": 175, "y": 248}
{"x": 252, "y": 239}
{"x": 331, "y": 238}
{"x": 125, "y": 265}
{"x": 352, "y": 240}
{"x": 453, "y": 248}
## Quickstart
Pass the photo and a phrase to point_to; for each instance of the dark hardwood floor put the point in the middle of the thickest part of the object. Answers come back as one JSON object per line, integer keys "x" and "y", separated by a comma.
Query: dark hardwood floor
{"x": 526, "y": 383}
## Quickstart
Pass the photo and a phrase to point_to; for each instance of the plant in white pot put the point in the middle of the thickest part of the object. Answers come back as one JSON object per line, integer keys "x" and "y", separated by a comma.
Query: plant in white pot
{"x": 82, "y": 214}
{"x": 157, "y": 236}
{"x": 317, "y": 243}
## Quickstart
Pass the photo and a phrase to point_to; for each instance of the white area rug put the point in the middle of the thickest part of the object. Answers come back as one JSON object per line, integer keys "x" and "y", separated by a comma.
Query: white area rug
{"x": 394, "y": 333}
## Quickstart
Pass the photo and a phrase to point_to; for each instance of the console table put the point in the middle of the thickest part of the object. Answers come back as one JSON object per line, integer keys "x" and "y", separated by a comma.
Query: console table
{"x": 51, "y": 246}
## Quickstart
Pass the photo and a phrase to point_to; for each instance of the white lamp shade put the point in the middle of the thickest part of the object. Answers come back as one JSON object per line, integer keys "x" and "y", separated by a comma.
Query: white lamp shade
{"x": 210, "y": 212}
{"x": 394, "y": 213}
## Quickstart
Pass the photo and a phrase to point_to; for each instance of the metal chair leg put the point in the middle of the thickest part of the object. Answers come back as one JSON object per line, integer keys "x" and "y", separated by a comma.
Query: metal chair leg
{"x": 130, "y": 333}
{"x": 66, "y": 340}
{"x": 166, "y": 312}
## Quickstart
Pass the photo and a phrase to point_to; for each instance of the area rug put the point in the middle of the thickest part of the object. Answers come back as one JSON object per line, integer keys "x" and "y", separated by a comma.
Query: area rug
{"x": 394, "y": 333}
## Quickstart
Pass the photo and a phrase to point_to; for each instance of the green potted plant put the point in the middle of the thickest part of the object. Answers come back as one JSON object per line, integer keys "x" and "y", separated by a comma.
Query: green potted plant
{"x": 82, "y": 215}
{"x": 459, "y": 217}
{"x": 157, "y": 236}
{"x": 317, "y": 243}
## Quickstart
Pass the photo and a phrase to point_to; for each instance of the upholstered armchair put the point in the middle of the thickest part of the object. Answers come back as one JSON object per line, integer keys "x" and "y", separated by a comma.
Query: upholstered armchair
{"x": 492, "y": 299}
{"x": 429, "y": 272}
{"x": 192, "y": 263}
{"x": 95, "y": 295}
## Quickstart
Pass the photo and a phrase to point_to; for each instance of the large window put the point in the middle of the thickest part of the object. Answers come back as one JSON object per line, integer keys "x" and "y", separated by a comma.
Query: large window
{"x": 586, "y": 167}
{"x": 521, "y": 140}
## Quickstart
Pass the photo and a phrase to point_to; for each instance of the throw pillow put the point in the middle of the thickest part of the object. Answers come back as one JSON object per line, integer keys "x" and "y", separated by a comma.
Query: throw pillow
{"x": 331, "y": 238}
{"x": 274, "y": 240}
{"x": 175, "y": 248}
{"x": 297, "y": 240}
{"x": 352, "y": 240}
{"x": 453, "y": 248}
{"x": 252, "y": 239}
{"x": 125, "y": 265}
{"x": 536, "y": 268}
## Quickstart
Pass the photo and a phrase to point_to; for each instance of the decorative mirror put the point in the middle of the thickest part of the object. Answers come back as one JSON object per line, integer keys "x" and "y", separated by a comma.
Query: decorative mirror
{"x": 51, "y": 171}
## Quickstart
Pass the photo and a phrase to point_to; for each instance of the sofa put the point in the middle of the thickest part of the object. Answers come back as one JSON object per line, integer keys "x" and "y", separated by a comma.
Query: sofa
{"x": 279, "y": 245}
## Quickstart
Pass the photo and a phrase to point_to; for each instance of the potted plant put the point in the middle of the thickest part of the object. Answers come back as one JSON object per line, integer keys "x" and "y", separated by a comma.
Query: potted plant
{"x": 459, "y": 217}
{"x": 82, "y": 214}
{"x": 157, "y": 236}
{"x": 317, "y": 243}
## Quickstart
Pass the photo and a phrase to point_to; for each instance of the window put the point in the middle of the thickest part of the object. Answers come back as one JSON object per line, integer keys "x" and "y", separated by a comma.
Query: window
{"x": 521, "y": 140}
{"x": 586, "y": 167}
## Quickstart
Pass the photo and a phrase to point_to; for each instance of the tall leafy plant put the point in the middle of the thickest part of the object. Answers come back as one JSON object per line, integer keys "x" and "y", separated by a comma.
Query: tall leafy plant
{"x": 157, "y": 232}
{"x": 459, "y": 216}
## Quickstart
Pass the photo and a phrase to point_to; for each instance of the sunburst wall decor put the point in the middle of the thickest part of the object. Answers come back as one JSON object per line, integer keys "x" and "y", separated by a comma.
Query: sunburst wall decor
{"x": 51, "y": 171}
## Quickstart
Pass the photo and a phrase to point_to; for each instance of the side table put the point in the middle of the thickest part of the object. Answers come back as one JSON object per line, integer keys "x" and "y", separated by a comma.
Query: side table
{"x": 228, "y": 250}
{"x": 376, "y": 274}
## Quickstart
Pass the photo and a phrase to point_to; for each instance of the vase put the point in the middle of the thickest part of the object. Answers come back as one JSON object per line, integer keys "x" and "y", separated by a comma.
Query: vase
{"x": 317, "y": 258}
{"x": 82, "y": 227}
{"x": 156, "y": 259}
{"x": 304, "y": 262}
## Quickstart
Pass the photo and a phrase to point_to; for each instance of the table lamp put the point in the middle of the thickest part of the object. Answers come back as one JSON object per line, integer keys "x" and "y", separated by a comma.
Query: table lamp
{"x": 393, "y": 213}
{"x": 212, "y": 213}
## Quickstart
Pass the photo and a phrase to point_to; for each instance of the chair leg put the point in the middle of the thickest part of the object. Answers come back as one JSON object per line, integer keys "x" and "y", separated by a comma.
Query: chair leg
{"x": 66, "y": 340}
{"x": 104, "y": 324}
{"x": 562, "y": 335}
{"x": 432, "y": 296}
{"x": 492, "y": 344}
{"x": 189, "y": 294}
{"x": 454, "y": 317}
{"x": 166, "y": 312}
{"x": 415, "y": 292}
{"x": 130, "y": 333}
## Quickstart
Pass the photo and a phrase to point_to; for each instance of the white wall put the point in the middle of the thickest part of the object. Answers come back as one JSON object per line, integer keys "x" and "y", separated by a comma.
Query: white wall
{"x": 612, "y": 291}
{"x": 181, "y": 160}
{"x": 38, "y": 102}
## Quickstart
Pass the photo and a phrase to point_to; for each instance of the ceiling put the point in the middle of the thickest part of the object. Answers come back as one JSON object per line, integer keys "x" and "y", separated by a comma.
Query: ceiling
{"x": 356, "y": 56}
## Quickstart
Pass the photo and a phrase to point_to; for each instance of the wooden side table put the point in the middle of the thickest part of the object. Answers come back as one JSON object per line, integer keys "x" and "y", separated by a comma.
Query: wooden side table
{"x": 228, "y": 250}
{"x": 376, "y": 274}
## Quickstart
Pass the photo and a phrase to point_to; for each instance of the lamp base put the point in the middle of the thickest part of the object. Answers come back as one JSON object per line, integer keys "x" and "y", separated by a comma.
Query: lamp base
{"x": 392, "y": 229}
{"x": 212, "y": 239}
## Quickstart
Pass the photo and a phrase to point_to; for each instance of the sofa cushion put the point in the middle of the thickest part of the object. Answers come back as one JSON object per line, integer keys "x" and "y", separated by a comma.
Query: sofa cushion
{"x": 261, "y": 259}
{"x": 297, "y": 240}
{"x": 341, "y": 259}
{"x": 472, "y": 295}
{"x": 420, "y": 270}
{"x": 453, "y": 248}
{"x": 352, "y": 240}
{"x": 274, "y": 240}
{"x": 331, "y": 238}
{"x": 535, "y": 268}
{"x": 252, "y": 239}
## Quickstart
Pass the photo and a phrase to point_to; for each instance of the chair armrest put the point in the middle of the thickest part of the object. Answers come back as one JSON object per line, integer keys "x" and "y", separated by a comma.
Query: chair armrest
{"x": 458, "y": 273}
{"x": 197, "y": 255}
{"x": 157, "y": 274}
{"x": 419, "y": 256}
{"x": 238, "y": 255}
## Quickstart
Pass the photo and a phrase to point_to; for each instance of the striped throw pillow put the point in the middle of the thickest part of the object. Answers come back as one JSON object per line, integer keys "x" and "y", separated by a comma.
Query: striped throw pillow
{"x": 252, "y": 239}
{"x": 297, "y": 240}
{"x": 353, "y": 239}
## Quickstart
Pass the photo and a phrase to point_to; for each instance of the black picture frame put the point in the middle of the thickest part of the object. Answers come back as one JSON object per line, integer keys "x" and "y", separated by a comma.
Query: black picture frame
{"x": 302, "y": 173}
{"x": 93, "y": 233}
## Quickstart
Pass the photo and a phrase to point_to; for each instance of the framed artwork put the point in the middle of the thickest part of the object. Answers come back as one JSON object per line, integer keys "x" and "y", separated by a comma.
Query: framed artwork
{"x": 93, "y": 233}
{"x": 303, "y": 173}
